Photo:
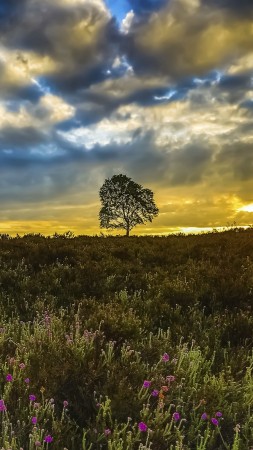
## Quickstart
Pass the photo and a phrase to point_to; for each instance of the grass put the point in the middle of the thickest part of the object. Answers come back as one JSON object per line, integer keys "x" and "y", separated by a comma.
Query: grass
{"x": 126, "y": 343}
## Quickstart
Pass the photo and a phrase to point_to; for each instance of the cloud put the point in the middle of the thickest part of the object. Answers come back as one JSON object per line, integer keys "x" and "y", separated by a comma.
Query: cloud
{"x": 186, "y": 38}
{"x": 15, "y": 83}
{"x": 242, "y": 7}
{"x": 76, "y": 44}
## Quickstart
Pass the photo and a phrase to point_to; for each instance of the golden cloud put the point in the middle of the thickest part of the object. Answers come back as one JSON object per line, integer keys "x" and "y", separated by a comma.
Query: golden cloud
{"x": 183, "y": 40}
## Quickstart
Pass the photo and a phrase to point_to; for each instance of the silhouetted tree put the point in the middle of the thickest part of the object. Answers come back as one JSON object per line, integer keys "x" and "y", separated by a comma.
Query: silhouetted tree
{"x": 125, "y": 204}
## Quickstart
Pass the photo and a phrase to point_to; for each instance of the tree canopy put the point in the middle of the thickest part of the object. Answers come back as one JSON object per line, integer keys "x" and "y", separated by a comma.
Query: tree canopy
{"x": 125, "y": 204}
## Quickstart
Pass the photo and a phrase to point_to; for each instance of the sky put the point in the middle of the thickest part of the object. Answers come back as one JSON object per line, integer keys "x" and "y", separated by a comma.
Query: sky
{"x": 158, "y": 90}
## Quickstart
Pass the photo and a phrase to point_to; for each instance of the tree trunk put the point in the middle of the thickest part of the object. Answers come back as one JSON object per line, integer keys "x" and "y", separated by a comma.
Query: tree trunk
{"x": 127, "y": 232}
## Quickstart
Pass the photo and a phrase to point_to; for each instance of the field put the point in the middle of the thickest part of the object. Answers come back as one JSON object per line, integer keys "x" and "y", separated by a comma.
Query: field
{"x": 127, "y": 343}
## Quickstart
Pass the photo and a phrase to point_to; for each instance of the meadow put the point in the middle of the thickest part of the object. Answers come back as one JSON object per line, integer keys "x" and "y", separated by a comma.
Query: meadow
{"x": 126, "y": 343}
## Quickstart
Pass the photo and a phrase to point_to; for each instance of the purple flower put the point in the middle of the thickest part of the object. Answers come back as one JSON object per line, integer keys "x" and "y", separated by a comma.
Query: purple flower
{"x": 27, "y": 380}
{"x": 170, "y": 378}
{"x": 155, "y": 393}
{"x": 218, "y": 414}
{"x": 9, "y": 377}
{"x": 65, "y": 404}
{"x": 34, "y": 420}
{"x": 142, "y": 426}
{"x": 107, "y": 431}
{"x": 22, "y": 366}
{"x": 204, "y": 416}
{"x": 2, "y": 406}
{"x": 214, "y": 421}
{"x": 176, "y": 416}
{"x": 165, "y": 357}
{"x": 48, "y": 438}
{"x": 32, "y": 398}
{"x": 146, "y": 383}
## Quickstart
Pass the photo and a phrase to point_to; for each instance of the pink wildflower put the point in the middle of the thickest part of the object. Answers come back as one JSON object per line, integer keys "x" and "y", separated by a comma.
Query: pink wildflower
{"x": 2, "y": 406}
{"x": 170, "y": 378}
{"x": 165, "y": 357}
{"x": 142, "y": 426}
{"x": 155, "y": 393}
{"x": 176, "y": 416}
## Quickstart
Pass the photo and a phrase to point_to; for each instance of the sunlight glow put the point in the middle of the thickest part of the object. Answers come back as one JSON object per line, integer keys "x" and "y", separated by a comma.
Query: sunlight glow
{"x": 246, "y": 208}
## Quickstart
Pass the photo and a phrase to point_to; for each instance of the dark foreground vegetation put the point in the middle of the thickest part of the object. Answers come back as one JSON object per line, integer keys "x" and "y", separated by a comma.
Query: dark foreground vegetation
{"x": 126, "y": 343}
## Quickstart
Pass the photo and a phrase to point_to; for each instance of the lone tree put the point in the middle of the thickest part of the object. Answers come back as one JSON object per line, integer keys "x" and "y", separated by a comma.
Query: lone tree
{"x": 125, "y": 204}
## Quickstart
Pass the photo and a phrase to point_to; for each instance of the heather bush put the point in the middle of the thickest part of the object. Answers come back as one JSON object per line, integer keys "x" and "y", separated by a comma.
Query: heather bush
{"x": 126, "y": 344}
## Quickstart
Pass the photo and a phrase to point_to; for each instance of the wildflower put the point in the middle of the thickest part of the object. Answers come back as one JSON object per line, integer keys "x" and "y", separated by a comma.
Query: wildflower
{"x": 36, "y": 405}
{"x": 37, "y": 444}
{"x": 218, "y": 414}
{"x": 65, "y": 404}
{"x": 165, "y": 357}
{"x": 27, "y": 380}
{"x": 9, "y": 377}
{"x": 2, "y": 406}
{"x": 42, "y": 389}
{"x": 48, "y": 438}
{"x": 32, "y": 398}
{"x": 34, "y": 420}
{"x": 155, "y": 393}
{"x": 21, "y": 366}
{"x": 214, "y": 421}
{"x": 142, "y": 426}
{"x": 170, "y": 378}
{"x": 204, "y": 416}
{"x": 165, "y": 388}
{"x": 176, "y": 416}
{"x": 146, "y": 383}
{"x": 107, "y": 431}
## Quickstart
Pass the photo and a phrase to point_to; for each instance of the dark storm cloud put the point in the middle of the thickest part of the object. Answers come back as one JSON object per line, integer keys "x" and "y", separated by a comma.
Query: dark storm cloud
{"x": 96, "y": 106}
{"x": 35, "y": 172}
{"x": 235, "y": 86}
{"x": 81, "y": 40}
{"x": 248, "y": 104}
{"x": 236, "y": 161}
{"x": 10, "y": 9}
{"x": 241, "y": 7}
{"x": 184, "y": 39}
{"x": 11, "y": 137}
